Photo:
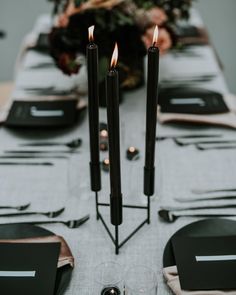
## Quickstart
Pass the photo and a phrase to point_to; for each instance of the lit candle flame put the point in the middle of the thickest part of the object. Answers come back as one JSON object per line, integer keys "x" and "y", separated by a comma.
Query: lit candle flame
{"x": 155, "y": 36}
{"x": 104, "y": 133}
{"x": 132, "y": 149}
{"x": 114, "y": 58}
{"x": 90, "y": 33}
{"x": 107, "y": 162}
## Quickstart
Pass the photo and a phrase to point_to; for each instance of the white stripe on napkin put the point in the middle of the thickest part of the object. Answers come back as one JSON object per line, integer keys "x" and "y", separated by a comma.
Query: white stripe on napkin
{"x": 185, "y": 101}
{"x": 215, "y": 258}
{"x": 46, "y": 113}
{"x": 20, "y": 274}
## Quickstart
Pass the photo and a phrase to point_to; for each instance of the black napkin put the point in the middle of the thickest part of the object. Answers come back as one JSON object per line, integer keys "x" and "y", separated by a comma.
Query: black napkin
{"x": 206, "y": 263}
{"x": 186, "y": 31}
{"x": 42, "y": 113}
{"x": 28, "y": 268}
{"x": 191, "y": 101}
{"x": 42, "y": 43}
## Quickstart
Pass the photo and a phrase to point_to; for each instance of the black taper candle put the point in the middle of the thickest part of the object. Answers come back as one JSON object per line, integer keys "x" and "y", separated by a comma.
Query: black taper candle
{"x": 151, "y": 116}
{"x": 93, "y": 98}
{"x": 112, "y": 91}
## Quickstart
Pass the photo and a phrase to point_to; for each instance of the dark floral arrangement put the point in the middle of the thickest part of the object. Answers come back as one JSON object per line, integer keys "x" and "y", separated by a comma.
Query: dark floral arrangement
{"x": 130, "y": 23}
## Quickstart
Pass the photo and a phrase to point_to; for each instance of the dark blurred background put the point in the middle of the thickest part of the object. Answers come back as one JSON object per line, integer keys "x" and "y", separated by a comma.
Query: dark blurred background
{"x": 18, "y": 17}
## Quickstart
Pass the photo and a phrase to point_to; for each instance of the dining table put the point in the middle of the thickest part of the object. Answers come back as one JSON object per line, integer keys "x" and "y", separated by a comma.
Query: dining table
{"x": 66, "y": 183}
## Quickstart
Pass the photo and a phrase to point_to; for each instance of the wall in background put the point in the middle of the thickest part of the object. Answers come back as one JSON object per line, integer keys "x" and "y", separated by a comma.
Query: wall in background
{"x": 17, "y": 17}
{"x": 219, "y": 17}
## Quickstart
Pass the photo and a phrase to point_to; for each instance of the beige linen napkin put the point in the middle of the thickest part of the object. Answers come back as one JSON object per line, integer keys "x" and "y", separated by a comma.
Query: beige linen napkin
{"x": 5, "y": 93}
{"x": 225, "y": 119}
{"x": 171, "y": 275}
{"x": 65, "y": 256}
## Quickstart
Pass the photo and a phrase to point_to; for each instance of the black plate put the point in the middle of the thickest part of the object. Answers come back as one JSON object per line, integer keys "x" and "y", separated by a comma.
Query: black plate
{"x": 203, "y": 228}
{"x": 22, "y": 231}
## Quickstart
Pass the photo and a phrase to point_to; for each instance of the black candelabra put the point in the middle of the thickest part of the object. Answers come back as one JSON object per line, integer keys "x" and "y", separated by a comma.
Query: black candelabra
{"x": 115, "y": 236}
{"x": 2, "y": 34}
{"x": 112, "y": 95}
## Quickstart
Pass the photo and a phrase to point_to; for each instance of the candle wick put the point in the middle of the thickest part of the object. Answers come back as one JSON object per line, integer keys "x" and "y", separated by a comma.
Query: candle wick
{"x": 112, "y": 68}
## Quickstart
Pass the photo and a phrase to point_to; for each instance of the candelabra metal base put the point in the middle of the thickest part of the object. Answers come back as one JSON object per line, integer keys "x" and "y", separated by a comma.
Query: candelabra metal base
{"x": 2, "y": 34}
{"x": 115, "y": 238}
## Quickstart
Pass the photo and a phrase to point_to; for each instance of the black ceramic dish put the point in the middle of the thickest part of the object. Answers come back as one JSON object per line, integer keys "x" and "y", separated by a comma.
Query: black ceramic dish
{"x": 22, "y": 231}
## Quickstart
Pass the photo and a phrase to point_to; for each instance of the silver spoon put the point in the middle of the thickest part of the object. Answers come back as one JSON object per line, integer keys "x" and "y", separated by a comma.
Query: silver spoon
{"x": 75, "y": 143}
{"x": 70, "y": 223}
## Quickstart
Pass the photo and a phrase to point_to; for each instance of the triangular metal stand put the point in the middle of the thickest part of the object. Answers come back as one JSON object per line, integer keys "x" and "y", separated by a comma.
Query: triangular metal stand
{"x": 115, "y": 238}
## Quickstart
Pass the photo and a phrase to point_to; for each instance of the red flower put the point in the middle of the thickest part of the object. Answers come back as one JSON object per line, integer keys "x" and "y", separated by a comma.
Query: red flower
{"x": 68, "y": 64}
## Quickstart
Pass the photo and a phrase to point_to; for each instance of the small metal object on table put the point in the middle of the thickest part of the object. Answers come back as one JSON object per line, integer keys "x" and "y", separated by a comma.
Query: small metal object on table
{"x": 2, "y": 34}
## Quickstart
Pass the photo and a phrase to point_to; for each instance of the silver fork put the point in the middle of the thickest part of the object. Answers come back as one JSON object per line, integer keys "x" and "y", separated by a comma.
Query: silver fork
{"x": 69, "y": 223}
{"x": 51, "y": 214}
{"x": 168, "y": 216}
{"x": 207, "y": 191}
{"x": 190, "y": 136}
{"x": 18, "y": 208}
{"x": 33, "y": 152}
{"x": 223, "y": 146}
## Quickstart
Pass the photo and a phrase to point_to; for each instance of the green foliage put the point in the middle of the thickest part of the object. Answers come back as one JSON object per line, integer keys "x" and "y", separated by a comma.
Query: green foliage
{"x": 117, "y": 19}
{"x": 144, "y": 4}
{"x": 79, "y": 2}
{"x": 103, "y": 66}
{"x": 123, "y": 19}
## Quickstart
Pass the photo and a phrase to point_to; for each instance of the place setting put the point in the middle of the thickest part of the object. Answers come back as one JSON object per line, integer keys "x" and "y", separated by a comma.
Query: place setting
{"x": 42, "y": 261}
{"x": 49, "y": 259}
{"x": 34, "y": 258}
{"x": 198, "y": 258}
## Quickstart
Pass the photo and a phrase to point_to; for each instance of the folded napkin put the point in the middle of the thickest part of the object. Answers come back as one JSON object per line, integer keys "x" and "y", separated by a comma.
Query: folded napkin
{"x": 171, "y": 275}
{"x": 5, "y": 93}
{"x": 226, "y": 119}
{"x": 201, "y": 39}
{"x": 65, "y": 256}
